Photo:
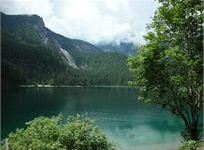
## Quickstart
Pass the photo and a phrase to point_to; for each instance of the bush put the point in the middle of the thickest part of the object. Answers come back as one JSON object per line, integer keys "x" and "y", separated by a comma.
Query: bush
{"x": 76, "y": 133}
{"x": 189, "y": 145}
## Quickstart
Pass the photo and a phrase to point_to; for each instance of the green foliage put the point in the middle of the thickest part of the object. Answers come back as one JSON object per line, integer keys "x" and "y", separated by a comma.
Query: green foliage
{"x": 168, "y": 69}
{"x": 189, "y": 145}
{"x": 81, "y": 133}
{"x": 11, "y": 74}
{"x": 77, "y": 133}
{"x": 103, "y": 68}
{"x": 32, "y": 64}
{"x": 41, "y": 133}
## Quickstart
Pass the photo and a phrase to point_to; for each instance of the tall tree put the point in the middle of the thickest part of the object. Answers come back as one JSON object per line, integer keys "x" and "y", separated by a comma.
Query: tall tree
{"x": 168, "y": 69}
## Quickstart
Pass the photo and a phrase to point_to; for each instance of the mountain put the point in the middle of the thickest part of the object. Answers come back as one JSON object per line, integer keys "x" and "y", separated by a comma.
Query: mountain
{"x": 126, "y": 48}
{"x": 33, "y": 54}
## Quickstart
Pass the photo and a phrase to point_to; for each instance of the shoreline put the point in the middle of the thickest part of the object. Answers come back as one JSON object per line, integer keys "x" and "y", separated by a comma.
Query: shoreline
{"x": 47, "y": 86}
{"x": 75, "y": 86}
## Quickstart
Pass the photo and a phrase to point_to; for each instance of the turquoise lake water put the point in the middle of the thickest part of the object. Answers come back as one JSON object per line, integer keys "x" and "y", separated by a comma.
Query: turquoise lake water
{"x": 129, "y": 124}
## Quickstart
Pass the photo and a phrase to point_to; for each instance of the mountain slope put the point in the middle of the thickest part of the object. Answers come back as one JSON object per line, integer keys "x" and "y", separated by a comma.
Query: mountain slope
{"x": 36, "y": 64}
{"x": 33, "y": 54}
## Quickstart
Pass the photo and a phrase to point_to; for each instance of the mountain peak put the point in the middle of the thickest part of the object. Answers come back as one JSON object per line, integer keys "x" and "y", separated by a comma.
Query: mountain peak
{"x": 32, "y": 19}
{"x": 37, "y": 19}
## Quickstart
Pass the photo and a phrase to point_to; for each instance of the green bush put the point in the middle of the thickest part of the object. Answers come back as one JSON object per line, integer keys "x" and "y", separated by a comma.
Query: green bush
{"x": 76, "y": 133}
{"x": 189, "y": 145}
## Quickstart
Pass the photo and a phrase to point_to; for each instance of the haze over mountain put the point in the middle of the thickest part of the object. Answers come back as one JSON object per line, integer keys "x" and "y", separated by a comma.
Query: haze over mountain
{"x": 126, "y": 48}
{"x": 33, "y": 54}
{"x": 94, "y": 21}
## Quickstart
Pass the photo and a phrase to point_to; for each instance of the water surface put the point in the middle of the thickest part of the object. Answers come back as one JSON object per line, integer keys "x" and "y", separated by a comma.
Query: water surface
{"x": 129, "y": 124}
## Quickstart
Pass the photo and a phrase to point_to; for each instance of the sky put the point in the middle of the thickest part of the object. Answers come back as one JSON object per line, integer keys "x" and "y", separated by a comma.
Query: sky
{"x": 94, "y": 21}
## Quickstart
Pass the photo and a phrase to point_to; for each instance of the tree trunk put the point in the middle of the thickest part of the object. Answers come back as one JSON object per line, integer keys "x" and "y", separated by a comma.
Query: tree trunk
{"x": 193, "y": 131}
{"x": 192, "y": 128}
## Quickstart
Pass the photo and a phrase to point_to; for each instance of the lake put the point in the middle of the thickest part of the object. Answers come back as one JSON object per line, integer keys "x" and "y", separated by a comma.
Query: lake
{"x": 128, "y": 123}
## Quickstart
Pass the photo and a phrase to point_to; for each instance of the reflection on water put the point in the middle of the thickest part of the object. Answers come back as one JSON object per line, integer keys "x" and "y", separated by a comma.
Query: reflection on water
{"x": 130, "y": 124}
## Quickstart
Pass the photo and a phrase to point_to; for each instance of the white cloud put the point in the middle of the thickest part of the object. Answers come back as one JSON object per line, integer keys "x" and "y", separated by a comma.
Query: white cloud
{"x": 91, "y": 20}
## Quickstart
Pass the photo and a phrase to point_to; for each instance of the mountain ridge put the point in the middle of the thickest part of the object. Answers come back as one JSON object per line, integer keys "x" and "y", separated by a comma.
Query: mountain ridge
{"x": 55, "y": 58}
{"x": 38, "y": 24}
{"x": 125, "y": 48}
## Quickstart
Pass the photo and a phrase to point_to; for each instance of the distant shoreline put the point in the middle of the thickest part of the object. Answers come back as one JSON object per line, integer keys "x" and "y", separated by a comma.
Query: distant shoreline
{"x": 48, "y": 86}
{"x": 77, "y": 86}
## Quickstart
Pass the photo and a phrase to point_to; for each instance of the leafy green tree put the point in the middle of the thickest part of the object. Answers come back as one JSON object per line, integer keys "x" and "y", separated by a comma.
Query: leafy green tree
{"x": 168, "y": 68}
{"x": 77, "y": 133}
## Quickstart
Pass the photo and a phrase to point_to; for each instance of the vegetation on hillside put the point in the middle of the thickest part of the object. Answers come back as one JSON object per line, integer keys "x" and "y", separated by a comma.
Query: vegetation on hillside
{"x": 27, "y": 64}
{"x": 168, "y": 69}
{"x": 31, "y": 55}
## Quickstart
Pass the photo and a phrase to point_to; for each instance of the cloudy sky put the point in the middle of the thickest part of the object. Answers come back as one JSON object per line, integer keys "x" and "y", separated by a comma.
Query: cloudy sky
{"x": 91, "y": 20}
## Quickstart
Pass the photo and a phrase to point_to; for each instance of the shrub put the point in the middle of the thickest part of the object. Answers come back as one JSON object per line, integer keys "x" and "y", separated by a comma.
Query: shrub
{"x": 189, "y": 145}
{"x": 76, "y": 133}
